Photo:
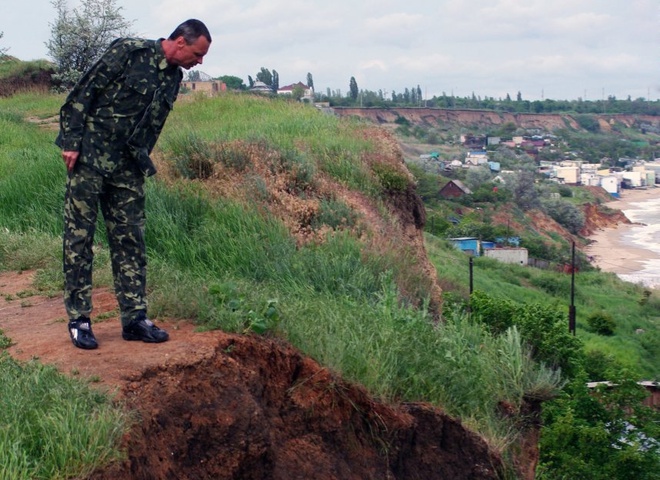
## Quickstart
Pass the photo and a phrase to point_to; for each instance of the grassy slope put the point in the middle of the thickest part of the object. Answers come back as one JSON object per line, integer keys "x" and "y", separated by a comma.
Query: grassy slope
{"x": 594, "y": 292}
{"x": 227, "y": 265}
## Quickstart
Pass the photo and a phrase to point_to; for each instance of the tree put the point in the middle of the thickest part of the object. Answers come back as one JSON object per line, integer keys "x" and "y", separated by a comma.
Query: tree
{"x": 265, "y": 76}
{"x": 80, "y": 36}
{"x": 478, "y": 176}
{"x": 298, "y": 92}
{"x": 233, "y": 83}
{"x": 353, "y": 86}
{"x": 3, "y": 51}
{"x": 600, "y": 434}
{"x": 310, "y": 81}
{"x": 524, "y": 191}
{"x": 276, "y": 81}
{"x": 564, "y": 213}
{"x": 194, "y": 76}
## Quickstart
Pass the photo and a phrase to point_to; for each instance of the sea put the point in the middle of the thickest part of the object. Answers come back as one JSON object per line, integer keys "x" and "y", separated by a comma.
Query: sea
{"x": 645, "y": 235}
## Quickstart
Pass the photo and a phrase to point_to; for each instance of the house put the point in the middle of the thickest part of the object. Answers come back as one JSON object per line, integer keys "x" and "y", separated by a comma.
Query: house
{"x": 476, "y": 157}
{"x": 454, "y": 189}
{"x": 568, "y": 175}
{"x": 454, "y": 164}
{"x": 308, "y": 92}
{"x": 469, "y": 245}
{"x": 210, "y": 87}
{"x": 635, "y": 178}
{"x": 260, "y": 87}
{"x": 514, "y": 255}
{"x": 610, "y": 183}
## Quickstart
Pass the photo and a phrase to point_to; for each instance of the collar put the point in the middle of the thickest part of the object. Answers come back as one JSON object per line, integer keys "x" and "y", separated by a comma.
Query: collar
{"x": 161, "y": 61}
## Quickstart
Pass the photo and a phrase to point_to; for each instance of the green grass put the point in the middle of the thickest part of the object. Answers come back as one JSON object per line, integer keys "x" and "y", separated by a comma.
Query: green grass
{"x": 594, "y": 291}
{"x": 281, "y": 125}
{"x": 53, "y": 426}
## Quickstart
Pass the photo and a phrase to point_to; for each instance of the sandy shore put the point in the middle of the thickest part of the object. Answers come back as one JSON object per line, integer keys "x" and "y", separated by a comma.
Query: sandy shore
{"x": 610, "y": 252}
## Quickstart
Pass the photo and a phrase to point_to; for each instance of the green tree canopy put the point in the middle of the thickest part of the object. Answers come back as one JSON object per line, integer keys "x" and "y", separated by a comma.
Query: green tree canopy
{"x": 232, "y": 82}
{"x": 3, "y": 51}
{"x": 265, "y": 76}
{"x": 353, "y": 86}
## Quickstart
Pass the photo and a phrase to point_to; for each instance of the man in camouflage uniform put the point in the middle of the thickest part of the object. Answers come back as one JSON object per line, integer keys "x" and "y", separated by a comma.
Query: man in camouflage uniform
{"x": 108, "y": 126}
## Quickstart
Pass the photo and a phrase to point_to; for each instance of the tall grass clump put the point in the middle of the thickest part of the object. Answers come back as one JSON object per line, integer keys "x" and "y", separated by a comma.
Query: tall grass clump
{"x": 32, "y": 177}
{"x": 53, "y": 426}
{"x": 400, "y": 354}
{"x": 201, "y": 234}
{"x": 330, "y": 145}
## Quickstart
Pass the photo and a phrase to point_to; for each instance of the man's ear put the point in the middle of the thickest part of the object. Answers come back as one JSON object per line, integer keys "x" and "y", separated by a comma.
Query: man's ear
{"x": 180, "y": 42}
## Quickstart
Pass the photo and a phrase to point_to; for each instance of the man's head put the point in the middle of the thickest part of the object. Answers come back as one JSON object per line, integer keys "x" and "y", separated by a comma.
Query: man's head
{"x": 187, "y": 44}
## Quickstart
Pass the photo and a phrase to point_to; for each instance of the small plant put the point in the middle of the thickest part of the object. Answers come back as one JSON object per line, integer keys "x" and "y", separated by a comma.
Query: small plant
{"x": 192, "y": 156}
{"x": 335, "y": 214}
{"x": 233, "y": 156}
{"x": 646, "y": 295}
{"x": 5, "y": 342}
{"x": 601, "y": 323}
{"x": 390, "y": 178}
{"x": 234, "y": 311}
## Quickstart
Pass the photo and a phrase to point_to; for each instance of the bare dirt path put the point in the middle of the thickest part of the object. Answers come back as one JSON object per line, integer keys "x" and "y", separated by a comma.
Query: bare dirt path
{"x": 37, "y": 327}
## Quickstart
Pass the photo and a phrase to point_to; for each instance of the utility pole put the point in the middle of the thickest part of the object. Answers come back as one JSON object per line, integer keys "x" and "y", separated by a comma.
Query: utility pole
{"x": 571, "y": 308}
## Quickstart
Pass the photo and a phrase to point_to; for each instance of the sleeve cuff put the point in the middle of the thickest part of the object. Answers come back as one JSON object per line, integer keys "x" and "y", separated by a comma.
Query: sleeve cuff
{"x": 71, "y": 144}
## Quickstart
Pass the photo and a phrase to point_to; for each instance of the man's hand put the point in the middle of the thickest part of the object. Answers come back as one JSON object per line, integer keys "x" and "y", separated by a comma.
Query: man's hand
{"x": 70, "y": 159}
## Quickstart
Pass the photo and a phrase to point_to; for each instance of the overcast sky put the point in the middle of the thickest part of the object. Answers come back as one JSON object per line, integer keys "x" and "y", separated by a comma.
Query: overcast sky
{"x": 544, "y": 49}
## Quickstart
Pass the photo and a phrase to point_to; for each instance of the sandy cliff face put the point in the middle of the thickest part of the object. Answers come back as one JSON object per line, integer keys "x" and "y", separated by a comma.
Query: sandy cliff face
{"x": 487, "y": 118}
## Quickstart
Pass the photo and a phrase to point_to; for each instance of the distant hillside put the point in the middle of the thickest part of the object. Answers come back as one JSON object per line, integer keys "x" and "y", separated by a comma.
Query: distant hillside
{"x": 490, "y": 119}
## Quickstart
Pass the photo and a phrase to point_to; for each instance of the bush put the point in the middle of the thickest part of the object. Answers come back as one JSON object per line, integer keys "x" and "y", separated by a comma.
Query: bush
{"x": 564, "y": 213}
{"x": 601, "y": 323}
{"x": 390, "y": 178}
{"x": 543, "y": 328}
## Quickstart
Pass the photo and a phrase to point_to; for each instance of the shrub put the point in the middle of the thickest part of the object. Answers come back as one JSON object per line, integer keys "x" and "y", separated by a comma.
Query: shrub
{"x": 335, "y": 214}
{"x": 601, "y": 323}
{"x": 390, "y": 178}
{"x": 543, "y": 328}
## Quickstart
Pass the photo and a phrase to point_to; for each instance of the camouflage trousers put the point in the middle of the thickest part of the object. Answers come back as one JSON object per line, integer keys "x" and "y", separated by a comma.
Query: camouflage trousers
{"x": 121, "y": 199}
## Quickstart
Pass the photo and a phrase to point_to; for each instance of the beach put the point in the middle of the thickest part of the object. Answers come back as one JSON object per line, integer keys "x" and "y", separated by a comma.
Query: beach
{"x": 632, "y": 251}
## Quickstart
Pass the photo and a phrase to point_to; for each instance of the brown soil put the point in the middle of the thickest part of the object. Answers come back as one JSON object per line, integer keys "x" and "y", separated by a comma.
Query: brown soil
{"x": 213, "y": 405}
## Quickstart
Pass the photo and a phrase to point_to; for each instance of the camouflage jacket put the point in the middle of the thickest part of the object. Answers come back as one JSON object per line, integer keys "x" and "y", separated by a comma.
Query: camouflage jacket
{"x": 118, "y": 108}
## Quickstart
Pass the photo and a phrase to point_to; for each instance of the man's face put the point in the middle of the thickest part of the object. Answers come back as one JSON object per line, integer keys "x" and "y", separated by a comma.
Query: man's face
{"x": 187, "y": 56}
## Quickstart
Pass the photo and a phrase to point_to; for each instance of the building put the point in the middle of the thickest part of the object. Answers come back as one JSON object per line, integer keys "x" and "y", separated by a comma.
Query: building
{"x": 517, "y": 256}
{"x": 476, "y": 157}
{"x": 454, "y": 189}
{"x": 209, "y": 87}
{"x": 261, "y": 87}
{"x": 469, "y": 245}
{"x": 308, "y": 92}
{"x": 569, "y": 175}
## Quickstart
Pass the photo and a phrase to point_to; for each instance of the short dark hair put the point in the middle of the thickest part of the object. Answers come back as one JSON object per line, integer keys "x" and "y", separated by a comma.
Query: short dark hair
{"x": 191, "y": 30}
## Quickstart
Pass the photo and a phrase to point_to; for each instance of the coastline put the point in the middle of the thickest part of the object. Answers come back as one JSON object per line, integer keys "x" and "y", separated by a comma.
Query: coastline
{"x": 609, "y": 249}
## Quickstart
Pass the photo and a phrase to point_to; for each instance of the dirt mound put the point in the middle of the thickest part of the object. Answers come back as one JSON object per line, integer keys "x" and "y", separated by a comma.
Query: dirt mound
{"x": 220, "y": 406}
{"x": 258, "y": 409}
{"x": 31, "y": 80}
